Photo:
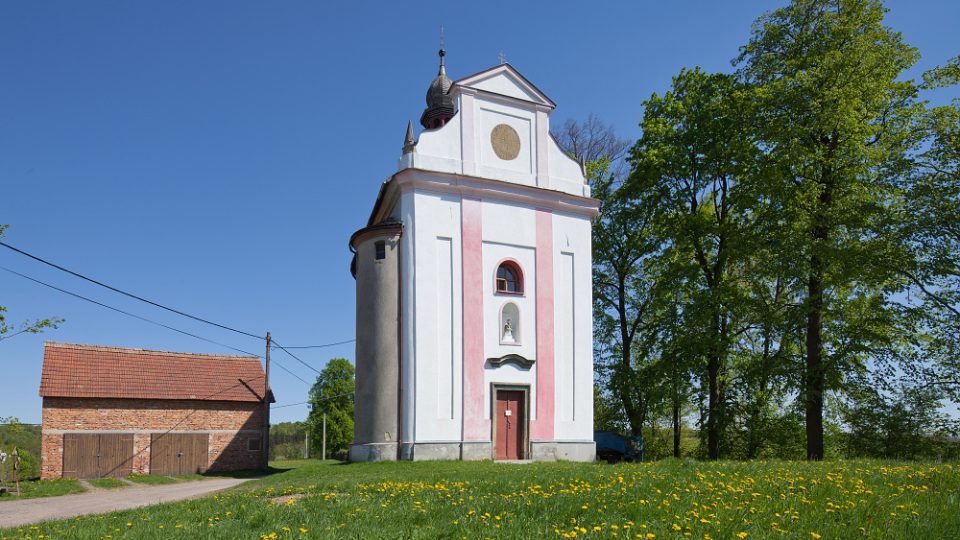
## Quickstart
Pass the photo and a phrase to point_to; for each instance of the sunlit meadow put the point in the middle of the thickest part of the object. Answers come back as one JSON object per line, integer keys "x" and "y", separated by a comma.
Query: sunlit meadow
{"x": 663, "y": 500}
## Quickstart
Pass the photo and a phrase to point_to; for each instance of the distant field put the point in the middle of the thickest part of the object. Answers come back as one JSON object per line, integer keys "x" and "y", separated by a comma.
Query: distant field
{"x": 668, "y": 499}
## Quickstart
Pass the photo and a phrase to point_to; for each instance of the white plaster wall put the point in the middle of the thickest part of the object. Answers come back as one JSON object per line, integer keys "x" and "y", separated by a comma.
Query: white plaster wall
{"x": 573, "y": 320}
{"x": 408, "y": 324}
{"x": 504, "y": 84}
{"x": 438, "y": 333}
{"x": 522, "y": 169}
{"x": 565, "y": 172}
{"x": 509, "y": 232}
{"x": 463, "y": 145}
{"x": 437, "y": 149}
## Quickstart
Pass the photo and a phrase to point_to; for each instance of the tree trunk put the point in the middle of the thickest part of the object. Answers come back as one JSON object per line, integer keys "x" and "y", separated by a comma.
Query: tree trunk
{"x": 676, "y": 429}
{"x": 713, "y": 408}
{"x": 814, "y": 368}
{"x": 814, "y": 376}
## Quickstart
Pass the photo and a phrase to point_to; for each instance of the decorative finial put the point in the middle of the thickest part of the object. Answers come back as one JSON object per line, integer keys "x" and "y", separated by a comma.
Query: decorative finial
{"x": 443, "y": 53}
{"x": 503, "y": 58}
{"x": 408, "y": 142}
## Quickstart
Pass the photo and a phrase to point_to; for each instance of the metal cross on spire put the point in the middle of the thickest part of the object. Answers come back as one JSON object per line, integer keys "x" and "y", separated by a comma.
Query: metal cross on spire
{"x": 502, "y": 57}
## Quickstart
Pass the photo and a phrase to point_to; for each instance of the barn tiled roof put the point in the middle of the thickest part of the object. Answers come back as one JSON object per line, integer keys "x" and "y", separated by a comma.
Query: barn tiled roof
{"x": 94, "y": 371}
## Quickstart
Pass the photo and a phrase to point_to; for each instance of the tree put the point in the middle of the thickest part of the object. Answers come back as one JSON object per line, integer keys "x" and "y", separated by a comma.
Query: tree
{"x": 622, "y": 287}
{"x": 287, "y": 440}
{"x": 591, "y": 141}
{"x": 8, "y": 331}
{"x": 332, "y": 395}
{"x": 931, "y": 228}
{"x": 691, "y": 168}
{"x": 836, "y": 120}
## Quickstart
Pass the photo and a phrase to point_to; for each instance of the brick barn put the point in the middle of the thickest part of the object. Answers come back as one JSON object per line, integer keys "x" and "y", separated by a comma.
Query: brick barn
{"x": 110, "y": 411}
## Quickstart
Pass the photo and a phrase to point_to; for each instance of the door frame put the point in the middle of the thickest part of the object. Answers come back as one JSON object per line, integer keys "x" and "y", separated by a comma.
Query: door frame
{"x": 512, "y": 387}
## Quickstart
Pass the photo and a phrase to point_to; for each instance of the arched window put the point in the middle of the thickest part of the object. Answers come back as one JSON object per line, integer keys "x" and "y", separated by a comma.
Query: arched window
{"x": 509, "y": 278}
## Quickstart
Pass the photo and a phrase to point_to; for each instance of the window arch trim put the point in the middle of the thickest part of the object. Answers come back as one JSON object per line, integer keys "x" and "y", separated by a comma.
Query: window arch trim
{"x": 498, "y": 282}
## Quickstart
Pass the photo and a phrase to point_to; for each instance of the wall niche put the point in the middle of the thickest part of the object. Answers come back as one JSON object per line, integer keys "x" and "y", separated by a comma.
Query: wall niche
{"x": 510, "y": 324}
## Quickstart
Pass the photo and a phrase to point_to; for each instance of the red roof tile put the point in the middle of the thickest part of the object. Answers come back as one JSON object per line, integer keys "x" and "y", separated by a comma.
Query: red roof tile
{"x": 114, "y": 372}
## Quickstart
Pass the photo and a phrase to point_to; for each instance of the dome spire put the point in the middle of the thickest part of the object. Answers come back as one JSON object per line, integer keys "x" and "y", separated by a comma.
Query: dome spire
{"x": 443, "y": 53}
{"x": 408, "y": 142}
{"x": 439, "y": 103}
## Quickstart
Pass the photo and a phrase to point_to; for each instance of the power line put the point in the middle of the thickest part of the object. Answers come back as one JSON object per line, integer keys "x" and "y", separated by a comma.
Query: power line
{"x": 144, "y": 319}
{"x": 307, "y": 402}
{"x": 125, "y": 293}
{"x": 325, "y": 345}
{"x": 279, "y": 365}
{"x": 284, "y": 349}
{"x": 161, "y": 306}
{"x": 127, "y": 313}
{"x": 289, "y": 405}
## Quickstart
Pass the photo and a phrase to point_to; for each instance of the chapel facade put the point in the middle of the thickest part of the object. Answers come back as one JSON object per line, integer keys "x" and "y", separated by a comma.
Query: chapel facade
{"x": 473, "y": 283}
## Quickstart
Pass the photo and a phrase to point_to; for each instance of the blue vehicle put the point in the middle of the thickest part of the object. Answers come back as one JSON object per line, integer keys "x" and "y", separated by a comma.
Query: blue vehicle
{"x": 613, "y": 447}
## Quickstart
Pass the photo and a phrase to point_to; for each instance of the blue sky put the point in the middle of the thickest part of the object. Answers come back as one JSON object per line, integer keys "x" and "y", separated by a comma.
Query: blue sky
{"x": 216, "y": 156}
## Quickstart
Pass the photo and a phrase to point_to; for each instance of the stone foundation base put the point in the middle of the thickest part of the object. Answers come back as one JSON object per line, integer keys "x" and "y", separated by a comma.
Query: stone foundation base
{"x": 470, "y": 451}
{"x": 467, "y": 451}
{"x": 564, "y": 450}
{"x": 373, "y": 452}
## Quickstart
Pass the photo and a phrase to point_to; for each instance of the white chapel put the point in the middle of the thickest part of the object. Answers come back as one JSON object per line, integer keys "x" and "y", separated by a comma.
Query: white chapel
{"x": 473, "y": 276}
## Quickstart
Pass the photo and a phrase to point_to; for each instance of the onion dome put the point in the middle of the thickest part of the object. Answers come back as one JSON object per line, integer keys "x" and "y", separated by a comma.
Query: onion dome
{"x": 439, "y": 103}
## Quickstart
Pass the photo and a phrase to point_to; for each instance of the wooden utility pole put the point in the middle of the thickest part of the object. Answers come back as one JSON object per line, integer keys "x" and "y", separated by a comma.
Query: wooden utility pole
{"x": 323, "y": 453}
{"x": 306, "y": 444}
{"x": 265, "y": 458}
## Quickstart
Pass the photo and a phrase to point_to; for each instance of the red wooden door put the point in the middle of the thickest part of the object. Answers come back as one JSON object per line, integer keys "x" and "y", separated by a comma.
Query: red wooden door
{"x": 511, "y": 423}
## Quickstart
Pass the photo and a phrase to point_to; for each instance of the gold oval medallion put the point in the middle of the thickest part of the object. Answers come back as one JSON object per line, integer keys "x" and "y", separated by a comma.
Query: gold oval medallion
{"x": 505, "y": 141}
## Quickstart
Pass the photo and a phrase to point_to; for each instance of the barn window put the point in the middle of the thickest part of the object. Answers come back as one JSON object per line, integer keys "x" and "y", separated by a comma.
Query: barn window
{"x": 509, "y": 278}
{"x": 254, "y": 444}
{"x": 381, "y": 248}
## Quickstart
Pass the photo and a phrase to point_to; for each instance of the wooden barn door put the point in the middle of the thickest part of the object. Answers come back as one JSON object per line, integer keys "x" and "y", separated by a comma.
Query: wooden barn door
{"x": 115, "y": 455}
{"x": 178, "y": 453}
{"x": 94, "y": 455}
{"x": 80, "y": 455}
{"x": 511, "y": 424}
{"x": 194, "y": 448}
{"x": 162, "y": 459}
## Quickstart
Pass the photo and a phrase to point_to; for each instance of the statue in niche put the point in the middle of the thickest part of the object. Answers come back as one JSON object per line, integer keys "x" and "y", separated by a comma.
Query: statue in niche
{"x": 508, "y": 332}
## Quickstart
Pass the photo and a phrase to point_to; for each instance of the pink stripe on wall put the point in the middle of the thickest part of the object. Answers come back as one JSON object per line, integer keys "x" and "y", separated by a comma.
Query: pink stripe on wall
{"x": 542, "y": 428}
{"x": 475, "y": 426}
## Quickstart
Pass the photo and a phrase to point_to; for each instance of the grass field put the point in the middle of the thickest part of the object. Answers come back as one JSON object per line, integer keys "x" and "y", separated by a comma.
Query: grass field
{"x": 668, "y": 499}
{"x": 51, "y": 488}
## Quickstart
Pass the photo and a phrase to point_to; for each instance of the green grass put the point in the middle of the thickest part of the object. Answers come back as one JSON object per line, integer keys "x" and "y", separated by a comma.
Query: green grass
{"x": 42, "y": 488}
{"x": 669, "y": 500}
{"x": 107, "y": 483}
{"x": 151, "y": 479}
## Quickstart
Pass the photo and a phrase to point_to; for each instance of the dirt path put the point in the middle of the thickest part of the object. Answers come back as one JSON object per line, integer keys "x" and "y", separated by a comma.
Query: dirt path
{"x": 16, "y": 513}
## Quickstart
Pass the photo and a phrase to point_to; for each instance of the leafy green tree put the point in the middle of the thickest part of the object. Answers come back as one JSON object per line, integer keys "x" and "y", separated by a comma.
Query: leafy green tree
{"x": 931, "y": 227}
{"x": 623, "y": 294}
{"x": 905, "y": 423}
{"x": 8, "y": 331}
{"x": 691, "y": 167}
{"x": 287, "y": 440}
{"x": 23, "y": 438}
{"x": 836, "y": 119}
{"x": 332, "y": 395}
{"x": 624, "y": 297}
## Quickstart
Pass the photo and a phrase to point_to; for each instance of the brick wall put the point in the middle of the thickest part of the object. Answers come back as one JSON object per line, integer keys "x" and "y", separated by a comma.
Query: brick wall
{"x": 231, "y": 424}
